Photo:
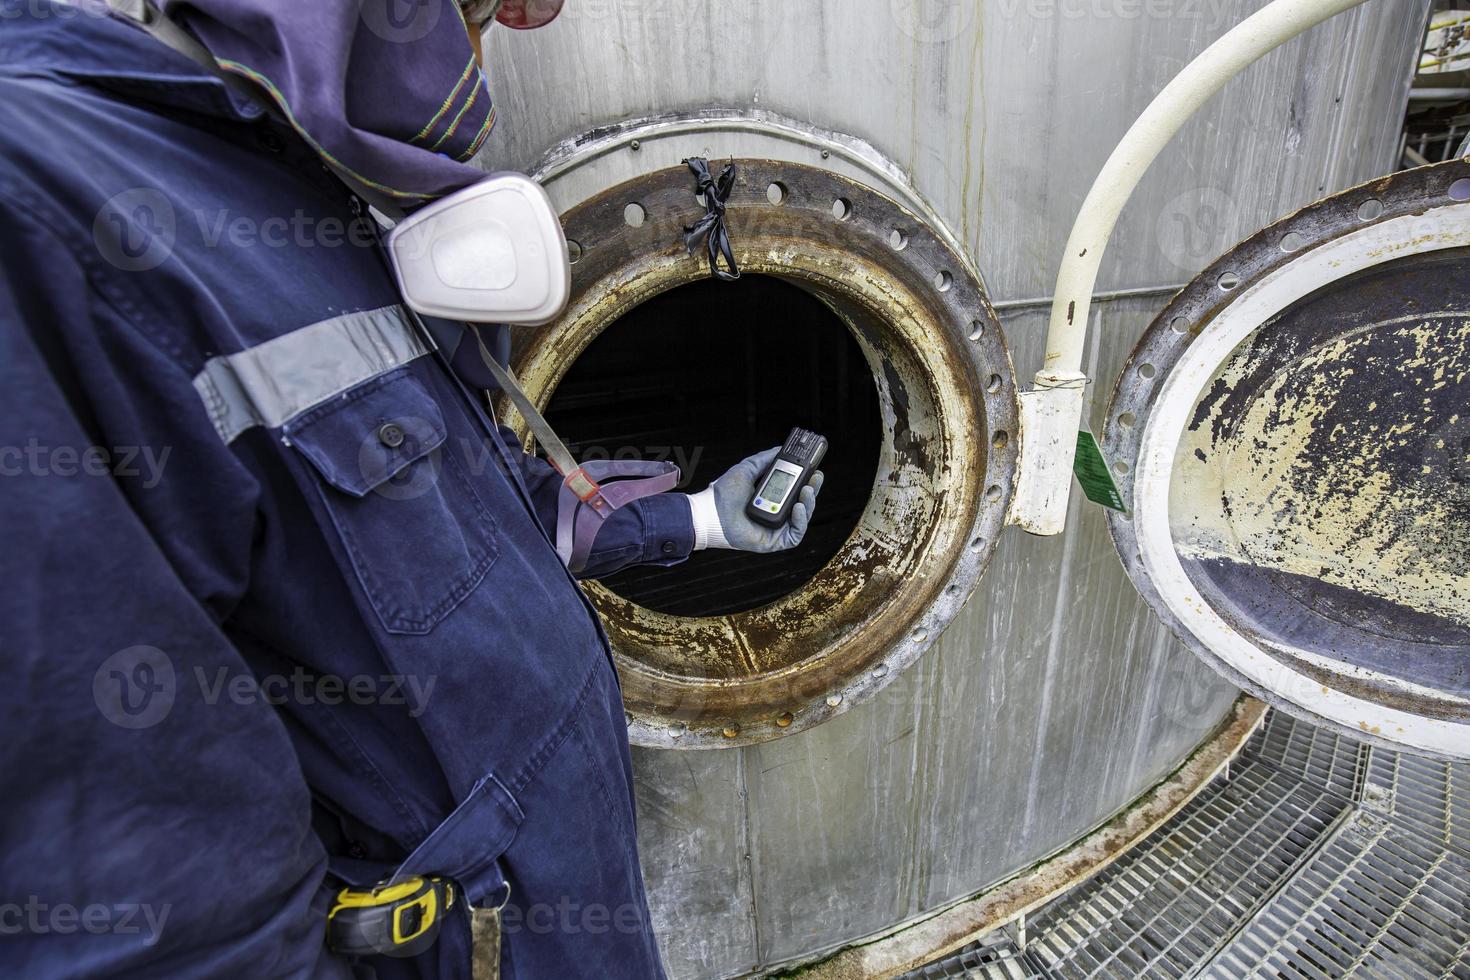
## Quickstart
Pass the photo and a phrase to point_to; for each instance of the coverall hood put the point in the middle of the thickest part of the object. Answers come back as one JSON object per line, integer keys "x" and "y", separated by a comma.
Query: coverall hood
{"x": 390, "y": 94}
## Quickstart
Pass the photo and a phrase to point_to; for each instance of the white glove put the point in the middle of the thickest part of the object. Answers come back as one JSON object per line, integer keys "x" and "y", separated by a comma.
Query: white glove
{"x": 719, "y": 514}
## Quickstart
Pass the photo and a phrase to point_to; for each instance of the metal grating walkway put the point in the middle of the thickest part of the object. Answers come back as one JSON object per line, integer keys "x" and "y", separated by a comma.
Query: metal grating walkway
{"x": 1316, "y": 858}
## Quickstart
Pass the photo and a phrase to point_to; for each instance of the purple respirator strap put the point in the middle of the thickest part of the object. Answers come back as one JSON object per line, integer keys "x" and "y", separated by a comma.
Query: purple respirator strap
{"x": 578, "y": 521}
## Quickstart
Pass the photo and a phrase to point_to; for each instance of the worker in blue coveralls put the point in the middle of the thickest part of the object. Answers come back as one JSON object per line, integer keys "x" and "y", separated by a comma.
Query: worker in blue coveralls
{"x": 243, "y": 673}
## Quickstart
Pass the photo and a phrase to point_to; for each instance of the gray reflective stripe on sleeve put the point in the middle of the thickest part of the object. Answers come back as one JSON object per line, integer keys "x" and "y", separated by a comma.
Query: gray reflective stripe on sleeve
{"x": 275, "y": 381}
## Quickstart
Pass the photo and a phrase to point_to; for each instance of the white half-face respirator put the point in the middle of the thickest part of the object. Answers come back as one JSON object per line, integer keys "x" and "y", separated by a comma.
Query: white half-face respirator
{"x": 493, "y": 252}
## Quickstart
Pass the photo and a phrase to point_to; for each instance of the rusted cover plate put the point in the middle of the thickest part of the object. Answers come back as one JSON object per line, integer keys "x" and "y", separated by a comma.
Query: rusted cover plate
{"x": 946, "y": 391}
{"x": 1295, "y": 430}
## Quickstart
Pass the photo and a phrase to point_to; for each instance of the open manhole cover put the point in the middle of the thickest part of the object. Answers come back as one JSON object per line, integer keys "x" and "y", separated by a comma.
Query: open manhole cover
{"x": 1295, "y": 433}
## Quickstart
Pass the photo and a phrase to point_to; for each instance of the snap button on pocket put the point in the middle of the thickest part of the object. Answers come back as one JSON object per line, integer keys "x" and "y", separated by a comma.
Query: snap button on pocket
{"x": 391, "y": 435}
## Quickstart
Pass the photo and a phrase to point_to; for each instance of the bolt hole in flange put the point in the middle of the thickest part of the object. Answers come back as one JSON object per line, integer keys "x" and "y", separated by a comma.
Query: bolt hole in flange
{"x": 831, "y": 327}
{"x": 1301, "y": 499}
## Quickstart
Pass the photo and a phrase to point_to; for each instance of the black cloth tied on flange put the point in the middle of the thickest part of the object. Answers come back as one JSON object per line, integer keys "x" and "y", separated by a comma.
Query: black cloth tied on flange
{"x": 712, "y": 225}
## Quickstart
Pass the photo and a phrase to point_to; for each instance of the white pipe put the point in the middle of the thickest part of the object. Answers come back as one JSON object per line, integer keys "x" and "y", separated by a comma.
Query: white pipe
{"x": 1439, "y": 94}
{"x": 1251, "y": 39}
{"x": 1044, "y": 482}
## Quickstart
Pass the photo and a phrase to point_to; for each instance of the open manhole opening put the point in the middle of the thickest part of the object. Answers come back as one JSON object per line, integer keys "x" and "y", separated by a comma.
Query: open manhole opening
{"x": 706, "y": 374}
{"x": 892, "y": 353}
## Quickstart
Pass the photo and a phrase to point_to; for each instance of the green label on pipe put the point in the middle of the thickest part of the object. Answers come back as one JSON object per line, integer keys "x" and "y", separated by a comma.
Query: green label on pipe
{"x": 1093, "y": 473}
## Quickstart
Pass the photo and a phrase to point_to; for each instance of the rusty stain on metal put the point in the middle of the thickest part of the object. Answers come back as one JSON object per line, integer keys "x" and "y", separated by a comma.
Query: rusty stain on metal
{"x": 1358, "y": 479}
{"x": 1319, "y": 495}
{"x": 753, "y": 675}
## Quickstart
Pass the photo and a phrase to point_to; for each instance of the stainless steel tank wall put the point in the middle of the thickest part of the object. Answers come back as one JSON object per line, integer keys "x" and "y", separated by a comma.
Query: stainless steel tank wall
{"x": 1057, "y": 697}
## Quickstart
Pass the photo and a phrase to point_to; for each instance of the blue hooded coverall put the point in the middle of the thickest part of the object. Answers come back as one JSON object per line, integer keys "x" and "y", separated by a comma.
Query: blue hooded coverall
{"x": 276, "y": 588}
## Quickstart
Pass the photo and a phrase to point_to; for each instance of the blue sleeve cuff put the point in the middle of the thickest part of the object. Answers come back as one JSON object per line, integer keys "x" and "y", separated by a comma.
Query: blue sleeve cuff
{"x": 668, "y": 528}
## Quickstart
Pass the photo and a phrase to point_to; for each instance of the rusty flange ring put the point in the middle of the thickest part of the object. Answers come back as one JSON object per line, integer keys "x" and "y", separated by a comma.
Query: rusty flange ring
{"x": 947, "y": 393}
{"x": 1293, "y": 426}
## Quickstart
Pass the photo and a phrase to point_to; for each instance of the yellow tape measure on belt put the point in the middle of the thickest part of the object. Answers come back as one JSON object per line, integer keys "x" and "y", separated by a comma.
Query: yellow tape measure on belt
{"x": 391, "y": 920}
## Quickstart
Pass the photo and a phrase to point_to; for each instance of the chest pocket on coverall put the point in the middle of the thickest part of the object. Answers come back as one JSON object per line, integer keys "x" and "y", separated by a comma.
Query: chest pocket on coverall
{"x": 417, "y": 532}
